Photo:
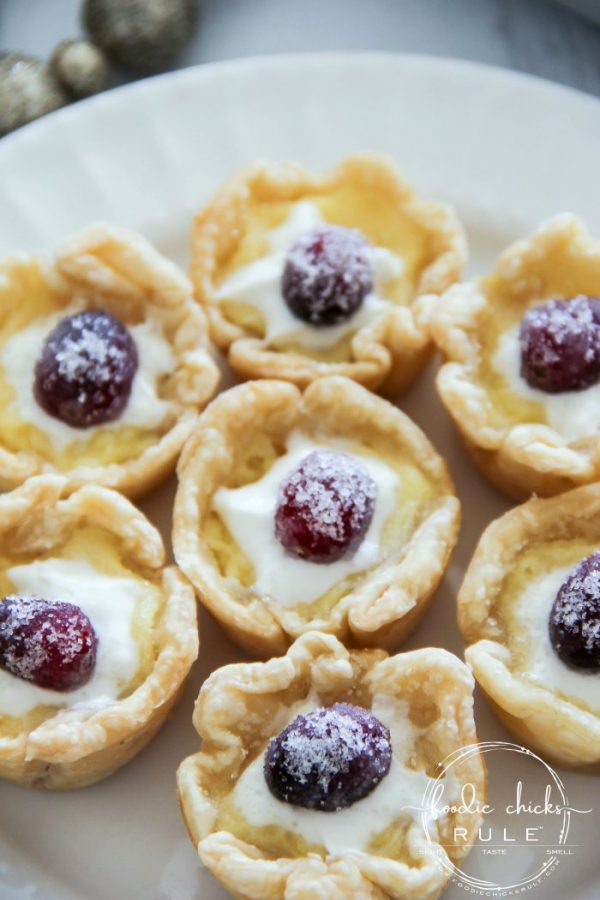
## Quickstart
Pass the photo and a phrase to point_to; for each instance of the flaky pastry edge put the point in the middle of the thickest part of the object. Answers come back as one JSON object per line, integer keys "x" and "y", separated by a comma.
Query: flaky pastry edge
{"x": 117, "y": 269}
{"x": 380, "y": 611}
{"x": 557, "y": 728}
{"x": 78, "y": 747}
{"x": 388, "y": 352}
{"x": 524, "y": 458}
{"x": 321, "y": 663}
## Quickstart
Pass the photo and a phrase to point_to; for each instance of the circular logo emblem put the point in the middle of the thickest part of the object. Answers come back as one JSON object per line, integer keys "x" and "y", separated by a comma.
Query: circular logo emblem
{"x": 521, "y": 828}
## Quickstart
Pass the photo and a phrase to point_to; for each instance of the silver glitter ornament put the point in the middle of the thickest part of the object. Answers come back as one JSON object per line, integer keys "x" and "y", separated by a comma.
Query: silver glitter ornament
{"x": 142, "y": 35}
{"x": 28, "y": 89}
{"x": 81, "y": 68}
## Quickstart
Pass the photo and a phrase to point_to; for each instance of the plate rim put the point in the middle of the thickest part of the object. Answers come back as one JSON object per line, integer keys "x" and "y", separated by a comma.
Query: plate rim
{"x": 366, "y": 58}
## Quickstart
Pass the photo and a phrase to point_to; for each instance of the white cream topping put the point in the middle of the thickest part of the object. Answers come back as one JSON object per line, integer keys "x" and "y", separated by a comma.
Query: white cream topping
{"x": 543, "y": 665}
{"x": 574, "y": 414}
{"x": 109, "y": 602}
{"x": 145, "y": 409}
{"x": 249, "y": 514}
{"x": 259, "y": 284}
{"x": 400, "y": 795}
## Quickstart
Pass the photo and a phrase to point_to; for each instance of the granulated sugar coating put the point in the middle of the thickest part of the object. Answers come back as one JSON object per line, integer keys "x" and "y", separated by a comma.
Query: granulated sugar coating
{"x": 50, "y": 643}
{"x": 324, "y": 507}
{"x": 328, "y": 273}
{"x": 575, "y": 616}
{"x": 329, "y": 758}
{"x": 86, "y": 369}
{"x": 560, "y": 345}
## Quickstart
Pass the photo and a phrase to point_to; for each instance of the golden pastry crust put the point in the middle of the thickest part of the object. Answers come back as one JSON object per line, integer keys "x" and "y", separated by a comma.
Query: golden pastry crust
{"x": 77, "y": 747}
{"x": 560, "y": 730}
{"x": 241, "y": 706}
{"x": 387, "y": 353}
{"x": 381, "y": 608}
{"x": 117, "y": 270}
{"x": 519, "y": 456}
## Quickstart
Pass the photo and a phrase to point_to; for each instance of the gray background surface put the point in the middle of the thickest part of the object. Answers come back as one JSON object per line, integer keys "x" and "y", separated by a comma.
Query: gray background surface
{"x": 536, "y": 36}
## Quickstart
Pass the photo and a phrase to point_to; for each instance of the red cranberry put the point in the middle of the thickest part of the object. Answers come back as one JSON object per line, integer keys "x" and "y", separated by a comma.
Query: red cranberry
{"x": 575, "y": 616}
{"x": 327, "y": 275}
{"x": 86, "y": 369}
{"x": 51, "y": 643}
{"x": 560, "y": 345}
{"x": 329, "y": 758}
{"x": 324, "y": 507}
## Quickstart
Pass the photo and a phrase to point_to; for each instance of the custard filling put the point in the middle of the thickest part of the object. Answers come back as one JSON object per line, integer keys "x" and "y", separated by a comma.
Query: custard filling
{"x": 406, "y": 493}
{"x": 26, "y": 298}
{"x": 512, "y": 401}
{"x": 351, "y": 207}
{"x": 523, "y": 611}
{"x": 90, "y": 556}
{"x": 377, "y": 824}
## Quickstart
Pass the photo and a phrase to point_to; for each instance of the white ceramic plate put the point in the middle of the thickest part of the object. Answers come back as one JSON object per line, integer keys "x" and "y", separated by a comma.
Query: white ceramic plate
{"x": 507, "y": 150}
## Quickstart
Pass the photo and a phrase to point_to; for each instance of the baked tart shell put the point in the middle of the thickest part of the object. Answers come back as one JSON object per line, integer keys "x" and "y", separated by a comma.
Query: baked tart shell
{"x": 114, "y": 269}
{"x": 520, "y": 457}
{"x": 561, "y": 730}
{"x": 77, "y": 747}
{"x": 386, "y": 354}
{"x": 239, "y": 694}
{"x": 379, "y": 610}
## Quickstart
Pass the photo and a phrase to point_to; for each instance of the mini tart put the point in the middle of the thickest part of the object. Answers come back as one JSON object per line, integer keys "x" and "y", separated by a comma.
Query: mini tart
{"x": 515, "y": 551}
{"x": 241, "y": 706}
{"x": 239, "y": 438}
{"x": 58, "y": 747}
{"x": 115, "y": 270}
{"x": 508, "y": 434}
{"x": 363, "y": 192}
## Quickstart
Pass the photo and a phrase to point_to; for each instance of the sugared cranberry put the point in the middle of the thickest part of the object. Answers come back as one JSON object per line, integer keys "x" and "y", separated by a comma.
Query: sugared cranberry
{"x": 575, "y": 616}
{"x": 86, "y": 369}
{"x": 329, "y": 758}
{"x": 324, "y": 507}
{"x": 560, "y": 345}
{"x": 51, "y": 643}
{"x": 327, "y": 274}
